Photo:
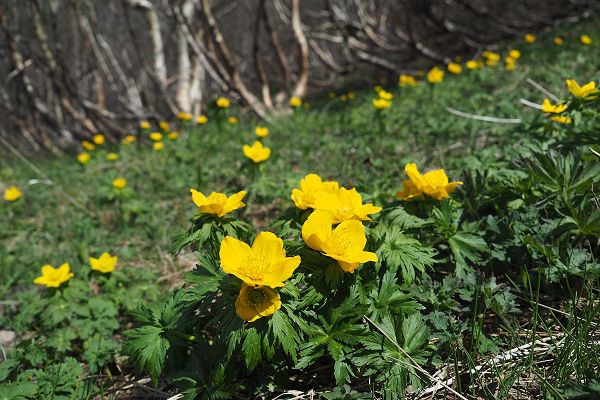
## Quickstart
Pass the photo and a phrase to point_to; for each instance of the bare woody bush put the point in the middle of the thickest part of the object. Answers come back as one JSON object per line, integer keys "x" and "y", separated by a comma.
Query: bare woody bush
{"x": 74, "y": 68}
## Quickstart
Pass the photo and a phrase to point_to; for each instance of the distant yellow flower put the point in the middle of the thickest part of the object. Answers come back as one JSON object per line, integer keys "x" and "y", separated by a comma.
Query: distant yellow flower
{"x": 164, "y": 125}
{"x": 458, "y": 58}
{"x": 310, "y": 187}
{"x": 558, "y": 41}
{"x": 435, "y": 75}
{"x": 202, "y": 119}
{"x": 232, "y": 120}
{"x": 255, "y": 302}
{"x": 407, "y": 80}
{"x": 83, "y": 158}
{"x": 529, "y": 38}
{"x": 145, "y": 125}
{"x": 344, "y": 97}
{"x": 585, "y": 39}
{"x": 344, "y": 205}
{"x": 434, "y": 184}
{"x": 173, "y": 135}
{"x": 381, "y": 104}
{"x": 119, "y": 183}
{"x": 454, "y": 68}
{"x": 263, "y": 264}
{"x": 563, "y": 119}
{"x": 218, "y": 203}
{"x": 472, "y": 64}
{"x": 350, "y": 95}
{"x": 295, "y": 102}
{"x": 89, "y": 146}
{"x": 377, "y": 88}
{"x": 586, "y": 92}
{"x": 549, "y": 108}
{"x": 156, "y": 136}
{"x": 492, "y": 56}
{"x": 345, "y": 243}
{"x": 158, "y": 146}
{"x": 491, "y": 62}
{"x": 12, "y": 193}
{"x": 510, "y": 60}
{"x": 516, "y": 54}
{"x": 52, "y": 277}
{"x": 509, "y": 66}
{"x": 257, "y": 152}
{"x": 223, "y": 102}
{"x": 331, "y": 95}
{"x": 105, "y": 264}
{"x": 385, "y": 95}
{"x": 111, "y": 156}
{"x": 99, "y": 139}
{"x": 261, "y": 131}
{"x": 128, "y": 139}
{"x": 184, "y": 116}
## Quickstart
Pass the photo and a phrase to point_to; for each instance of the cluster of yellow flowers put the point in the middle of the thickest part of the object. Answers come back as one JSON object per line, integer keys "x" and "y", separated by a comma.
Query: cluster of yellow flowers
{"x": 585, "y": 92}
{"x": 407, "y": 80}
{"x": 384, "y": 100}
{"x": 54, "y": 277}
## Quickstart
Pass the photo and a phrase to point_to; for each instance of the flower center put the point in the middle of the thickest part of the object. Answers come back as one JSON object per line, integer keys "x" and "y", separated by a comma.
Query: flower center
{"x": 339, "y": 244}
{"x": 256, "y": 297}
{"x": 256, "y": 267}
{"x": 343, "y": 213}
{"x": 54, "y": 275}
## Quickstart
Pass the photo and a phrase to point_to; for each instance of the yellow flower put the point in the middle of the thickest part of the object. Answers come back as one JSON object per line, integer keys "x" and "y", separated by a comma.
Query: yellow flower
{"x": 472, "y": 64}
{"x": 344, "y": 97}
{"x": 345, "y": 244}
{"x": 492, "y": 56}
{"x": 54, "y": 277}
{"x": 223, "y": 102}
{"x": 257, "y": 152}
{"x": 232, "y": 120}
{"x": 184, "y": 116}
{"x": 111, "y": 156}
{"x": 12, "y": 193}
{"x": 145, "y": 125}
{"x": 406, "y": 80}
{"x": 529, "y": 38}
{"x": 89, "y": 146}
{"x": 350, "y": 95}
{"x": 558, "y": 41}
{"x": 119, "y": 183}
{"x": 255, "y": 302}
{"x": 509, "y": 66}
{"x": 295, "y": 102}
{"x": 563, "y": 119}
{"x": 164, "y": 125}
{"x": 491, "y": 62}
{"x": 516, "y": 54}
{"x": 587, "y": 91}
{"x": 510, "y": 60}
{"x": 458, "y": 58}
{"x": 156, "y": 136}
{"x": 99, "y": 139}
{"x": 585, "y": 39}
{"x": 83, "y": 158}
{"x": 158, "y": 146}
{"x": 128, "y": 139}
{"x": 218, "y": 203}
{"x": 331, "y": 95}
{"x": 106, "y": 263}
{"x": 310, "y": 187}
{"x": 549, "y": 108}
{"x": 454, "y": 68}
{"x": 434, "y": 184}
{"x": 435, "y": 75}
{"x": 385, "y": 95}
{"x": 261, "y": 131}
{"x": 202, "y": 119}
{"x": 344, "y": 205}
{"x": 173, "y": 135}
{"x": 377, "y": 88}
{"x": 263, "y": 264}
{"x": 381, "y": 104}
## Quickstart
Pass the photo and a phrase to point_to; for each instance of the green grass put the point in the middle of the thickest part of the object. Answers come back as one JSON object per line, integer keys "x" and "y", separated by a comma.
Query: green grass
{"x": 350, "y": 142}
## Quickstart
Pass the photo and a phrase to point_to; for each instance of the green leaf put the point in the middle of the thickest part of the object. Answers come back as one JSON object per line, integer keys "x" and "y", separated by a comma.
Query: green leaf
{"x": 147, "y": 346}
{"x": 467, "y": 246}
{"x": 251, "y": 348}
{"x": 18, "y": 391}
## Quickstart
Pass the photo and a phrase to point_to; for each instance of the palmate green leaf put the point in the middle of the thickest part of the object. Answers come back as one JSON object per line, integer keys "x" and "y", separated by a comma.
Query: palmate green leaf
{"x": 396, "y": 215}
{"x": 390, "y": 298}
{"x": 198, "y": 236}
{"x": 18, "y": 391}
{"x": 467, "y": 246}
{"x": 284, "y": 332}
{"x": 342, "y": 372}
{"x": 206, "y": 277}
{"x": 147, "y": 346}
{"x": 251, "y": 348}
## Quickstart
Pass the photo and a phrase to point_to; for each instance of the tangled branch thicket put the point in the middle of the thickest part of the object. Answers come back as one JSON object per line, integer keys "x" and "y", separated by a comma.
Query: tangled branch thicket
{"x": 75, "y": 68}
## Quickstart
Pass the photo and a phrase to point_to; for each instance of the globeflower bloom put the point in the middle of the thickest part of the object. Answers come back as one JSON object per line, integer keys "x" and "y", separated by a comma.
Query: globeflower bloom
{"x": 472, "y": 64}
{"x": 164, "y": 125}
{"x": 223, "y": 102}
{"x": 12, "y": 193}
{"x": 156, "y": 136}
{"x": 385, "y": 95}
{"x": 549, "y": 108}
{"x": 89, "y": 146}
{"x": 232, "y": 120}
{"x": 256, "y": 302}
{"x": 99, "y": 139}
{"x": 173, "y": 135}
{"x": 295, "y": 102}
{"x": 83, "y": 158}
{"x": 52, "y": 277}
{"x": 406, "y": 80}
{"x": 310, "y": 187}
{"x": 344, "y": 204}
{"x": 586, "y": 92}
{"x": 257, "y": 152}
{"x": 184, "y": 116}
{"x": 529, "y": 38}
{"x": 119, "y": 183}
{"x": 561, "y": 119}
{"x": 111, "y": 156}
{"x": 158, "y": 146}
{"x": 381, "y": 104}
{"x": 585, "y": 39}
{"x": 345, "y": 243}
{"x": 435, "y": 75}
{"x": 218, "y": 203}
{"x": 145, "y": 125}
{"x": 434, "y": 184}
{"x": 128, "y": 139}
{"x": 454, "y": 68}
{"x": 516, "y": 54}
{"x": 263, "y": 264}
{"x": 558, "y": 41}
{"x": 202, "y": 119}
{"x": 261, "y": 131}
{"x": 105, "y": 263}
